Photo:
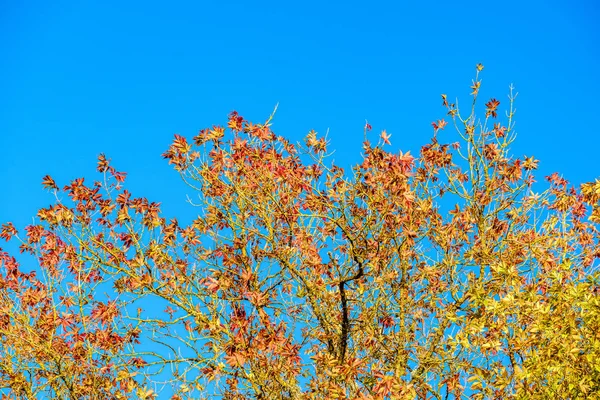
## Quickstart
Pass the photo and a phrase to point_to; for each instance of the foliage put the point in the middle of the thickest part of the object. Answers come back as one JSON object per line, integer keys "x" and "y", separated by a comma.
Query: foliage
{"x": 442, "y": 276}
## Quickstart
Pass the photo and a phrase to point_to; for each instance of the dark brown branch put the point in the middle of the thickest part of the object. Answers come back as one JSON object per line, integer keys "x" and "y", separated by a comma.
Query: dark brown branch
{"x": 345, "y": 319}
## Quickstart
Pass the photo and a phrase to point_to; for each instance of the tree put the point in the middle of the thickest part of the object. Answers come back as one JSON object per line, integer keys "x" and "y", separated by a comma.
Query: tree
{"x": 437, "y": 277}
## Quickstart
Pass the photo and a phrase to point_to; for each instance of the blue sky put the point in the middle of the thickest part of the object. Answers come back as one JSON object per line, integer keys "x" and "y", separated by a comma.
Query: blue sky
{"x": 80, "y": 78}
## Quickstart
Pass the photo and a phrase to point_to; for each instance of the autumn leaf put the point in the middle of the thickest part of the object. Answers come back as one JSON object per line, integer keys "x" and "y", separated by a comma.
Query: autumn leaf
{"x": 8, "y": 231}
{"x": 530, "y": 163}
{"x": 102, "y": 163}
{"x": 236, "y": 122}
{"x": 49, "y": 183}
{"x": 491, "y": 107}
{"x": 385, "y": 137}
{"x": 475, "y": 87}
{"x": 445, "y": 100}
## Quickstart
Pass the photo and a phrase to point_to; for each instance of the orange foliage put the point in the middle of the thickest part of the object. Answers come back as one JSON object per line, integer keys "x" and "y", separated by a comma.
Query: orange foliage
{"x": 447, "y": 275}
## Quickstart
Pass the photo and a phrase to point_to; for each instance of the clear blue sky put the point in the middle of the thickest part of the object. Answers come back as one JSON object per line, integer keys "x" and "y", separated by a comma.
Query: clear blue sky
{"x": 82, "y": 77}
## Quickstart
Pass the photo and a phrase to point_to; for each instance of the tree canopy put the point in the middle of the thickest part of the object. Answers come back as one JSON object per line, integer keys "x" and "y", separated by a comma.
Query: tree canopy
{"x": 447, "y": 274}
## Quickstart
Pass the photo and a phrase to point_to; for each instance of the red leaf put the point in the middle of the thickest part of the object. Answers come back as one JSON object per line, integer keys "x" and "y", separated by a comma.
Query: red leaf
{"x": 492, "y": 105}
{"x": 102, "y": 163}
{"x": 8, "y": 231}
{"x": 49, "y": 183}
